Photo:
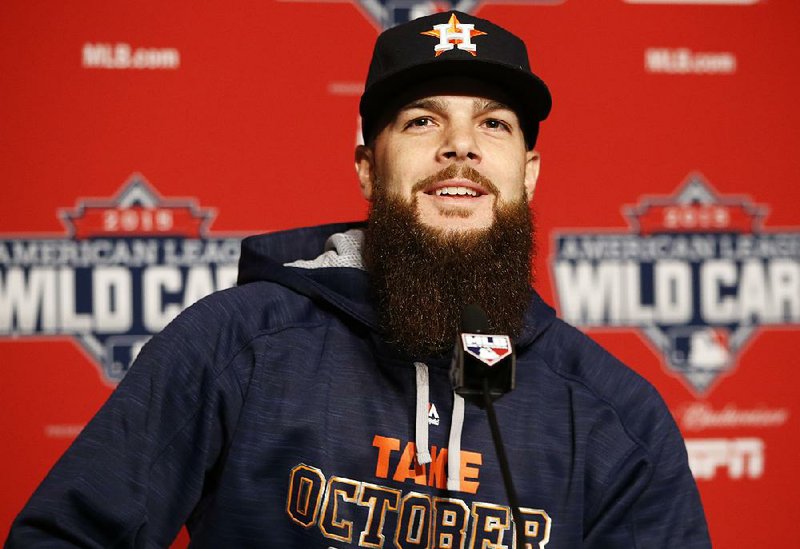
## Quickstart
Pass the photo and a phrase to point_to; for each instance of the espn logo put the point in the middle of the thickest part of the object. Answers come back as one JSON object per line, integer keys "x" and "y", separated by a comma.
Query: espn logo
{"x": 740, "y": 457}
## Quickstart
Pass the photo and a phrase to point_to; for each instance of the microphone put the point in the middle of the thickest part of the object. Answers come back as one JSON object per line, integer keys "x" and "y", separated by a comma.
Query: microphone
{"x": 481, "y": 359}
{"x": 483, "y": 370}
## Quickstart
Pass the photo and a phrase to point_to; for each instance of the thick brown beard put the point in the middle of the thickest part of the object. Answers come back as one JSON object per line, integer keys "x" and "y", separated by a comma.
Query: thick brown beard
{"x": 422, "y": 277}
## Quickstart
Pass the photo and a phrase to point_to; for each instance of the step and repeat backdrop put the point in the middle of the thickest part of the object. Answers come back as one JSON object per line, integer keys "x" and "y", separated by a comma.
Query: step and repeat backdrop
{"x": 140, "y": 141}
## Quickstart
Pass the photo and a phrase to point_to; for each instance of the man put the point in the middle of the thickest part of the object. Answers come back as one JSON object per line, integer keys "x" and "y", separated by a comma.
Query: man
{"x": 312, "y": 406}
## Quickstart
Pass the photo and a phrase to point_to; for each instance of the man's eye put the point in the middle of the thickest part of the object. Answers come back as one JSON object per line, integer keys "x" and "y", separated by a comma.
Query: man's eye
{"x": 495, "y": 124}
{"x": 421, "y": 122}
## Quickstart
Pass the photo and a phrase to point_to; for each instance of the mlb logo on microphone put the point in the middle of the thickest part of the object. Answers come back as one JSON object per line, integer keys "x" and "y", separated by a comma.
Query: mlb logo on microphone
{"x": 489, "y": 349}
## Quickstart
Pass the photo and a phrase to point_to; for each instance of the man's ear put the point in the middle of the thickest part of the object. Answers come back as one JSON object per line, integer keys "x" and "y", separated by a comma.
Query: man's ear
{"x": 365, "y": 168}
{"x": 532, "y": 163}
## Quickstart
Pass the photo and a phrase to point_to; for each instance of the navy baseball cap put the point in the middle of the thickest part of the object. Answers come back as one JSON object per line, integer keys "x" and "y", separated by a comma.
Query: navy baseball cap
{"x": 452, "y": 43}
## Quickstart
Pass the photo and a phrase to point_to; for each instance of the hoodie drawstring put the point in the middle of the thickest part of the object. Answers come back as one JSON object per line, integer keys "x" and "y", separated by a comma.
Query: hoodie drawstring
{"x": 423, "y": 398}
{"x": 421, "y": 428}
{"x": 454, "y": 444}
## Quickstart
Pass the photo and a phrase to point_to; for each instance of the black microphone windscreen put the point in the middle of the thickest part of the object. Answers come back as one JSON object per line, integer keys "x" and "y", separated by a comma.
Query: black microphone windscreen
{"x": 474, "y": 320}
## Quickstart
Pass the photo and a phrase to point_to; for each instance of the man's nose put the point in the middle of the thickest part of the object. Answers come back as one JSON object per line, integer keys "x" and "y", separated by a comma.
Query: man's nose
{"x": 460, "y": 143}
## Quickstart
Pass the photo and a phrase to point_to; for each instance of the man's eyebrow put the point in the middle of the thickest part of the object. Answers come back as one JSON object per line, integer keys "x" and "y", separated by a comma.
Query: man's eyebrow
{"x": 481, "y": 104}
{"x": 427, "y": 103}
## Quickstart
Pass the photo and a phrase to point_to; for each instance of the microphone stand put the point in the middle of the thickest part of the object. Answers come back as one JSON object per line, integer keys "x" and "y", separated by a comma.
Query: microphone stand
{"x": 511, "y": 493}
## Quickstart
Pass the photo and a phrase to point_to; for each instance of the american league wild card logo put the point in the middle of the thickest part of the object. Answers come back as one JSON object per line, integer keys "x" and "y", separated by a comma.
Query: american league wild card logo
{"x": 696, "y": 273}
{"x": 125, "y": 267}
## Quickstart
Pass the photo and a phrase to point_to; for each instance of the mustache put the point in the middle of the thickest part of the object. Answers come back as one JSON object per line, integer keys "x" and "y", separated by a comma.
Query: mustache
{"x": 452, "y": 171}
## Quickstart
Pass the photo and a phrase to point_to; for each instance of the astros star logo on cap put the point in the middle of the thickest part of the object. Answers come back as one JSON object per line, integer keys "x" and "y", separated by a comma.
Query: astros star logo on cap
{"x": 454, "y": 34}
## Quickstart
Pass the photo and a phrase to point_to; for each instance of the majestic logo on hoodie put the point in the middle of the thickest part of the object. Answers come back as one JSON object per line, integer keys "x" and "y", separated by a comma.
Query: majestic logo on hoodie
{"x": 127, "y": 265}
{"x": 696, "y": 273}
{"x": 433, "y": 414}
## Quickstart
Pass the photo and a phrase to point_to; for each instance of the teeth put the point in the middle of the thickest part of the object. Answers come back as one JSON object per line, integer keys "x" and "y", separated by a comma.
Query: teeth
{"x": 455, "y": 191}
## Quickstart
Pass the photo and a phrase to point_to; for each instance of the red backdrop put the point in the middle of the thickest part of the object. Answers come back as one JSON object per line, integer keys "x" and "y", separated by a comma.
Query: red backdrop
{"x": 139, "y": 142}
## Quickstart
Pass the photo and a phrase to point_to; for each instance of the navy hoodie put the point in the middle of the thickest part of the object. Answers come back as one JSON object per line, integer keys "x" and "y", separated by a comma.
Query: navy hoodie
{"x": 273, "y": 414}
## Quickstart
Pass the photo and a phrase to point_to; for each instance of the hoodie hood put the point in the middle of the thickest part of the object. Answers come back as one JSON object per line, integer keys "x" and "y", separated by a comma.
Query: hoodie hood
{"x": 288, "y": 258}
{"x": 265, "y": 258}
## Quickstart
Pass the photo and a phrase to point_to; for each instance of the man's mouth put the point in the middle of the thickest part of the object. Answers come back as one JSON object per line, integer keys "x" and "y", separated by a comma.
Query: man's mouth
{"x": 451, "y": 189}
{"x": 455, "y": 191}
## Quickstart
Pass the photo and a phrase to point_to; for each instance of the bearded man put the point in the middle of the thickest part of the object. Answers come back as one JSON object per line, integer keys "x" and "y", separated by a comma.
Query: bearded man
{"x": 312, "y": 406}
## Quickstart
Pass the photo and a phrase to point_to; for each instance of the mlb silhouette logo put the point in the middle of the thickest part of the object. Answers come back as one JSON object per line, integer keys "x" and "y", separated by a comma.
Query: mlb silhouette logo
{"x": 489, "y": 349}
{"x": 701, "y": 353}
{"x": 388, "y": 13}
{"x": 703, "y": 347}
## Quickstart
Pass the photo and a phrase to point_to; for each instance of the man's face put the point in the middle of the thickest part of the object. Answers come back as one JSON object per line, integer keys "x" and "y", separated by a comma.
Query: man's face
{"x": 455, "y": 155}
{"x": 449, "y": 179}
